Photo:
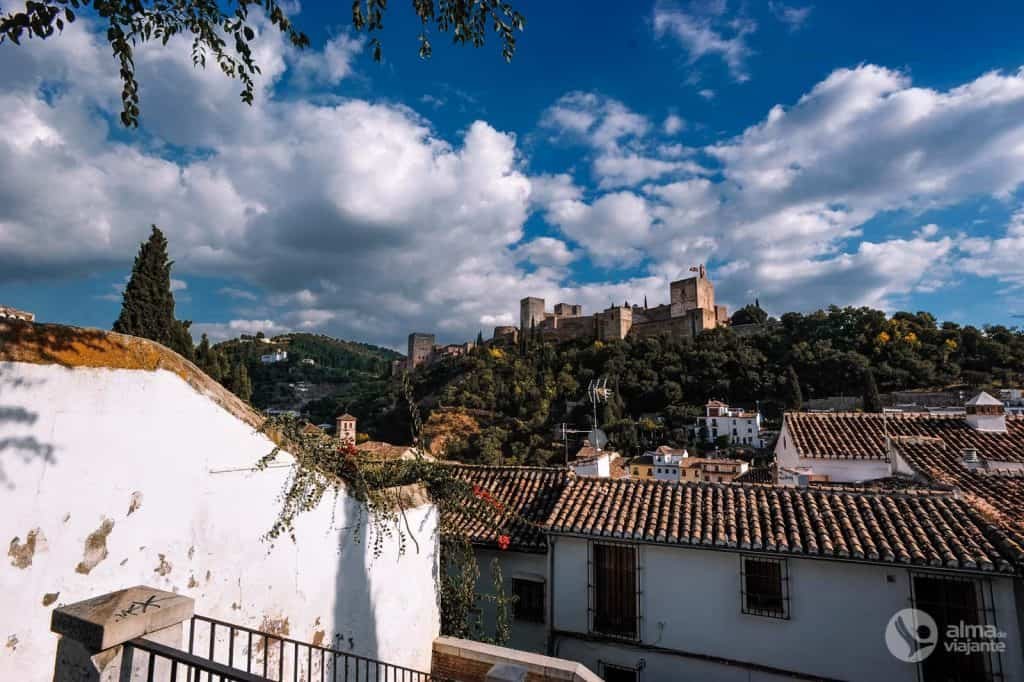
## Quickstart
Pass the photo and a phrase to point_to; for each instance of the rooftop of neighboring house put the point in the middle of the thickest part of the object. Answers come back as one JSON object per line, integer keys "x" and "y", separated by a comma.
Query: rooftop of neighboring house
{"x": 861, "y": 435}
{"x": 985, "y": 468}
{"x": 526, "y": 496}
{"x": 379, "y": 450}
{"x": 691, "y": 462}
{"x": 757, "y": 475}
{"x": 915, "y": 528}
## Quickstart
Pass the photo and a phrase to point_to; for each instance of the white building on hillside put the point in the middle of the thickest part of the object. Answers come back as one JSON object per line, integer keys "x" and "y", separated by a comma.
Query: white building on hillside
{"x": 276, "y": 356}
{"x": 740, "y": 426}
{"x": 666, "y": 462}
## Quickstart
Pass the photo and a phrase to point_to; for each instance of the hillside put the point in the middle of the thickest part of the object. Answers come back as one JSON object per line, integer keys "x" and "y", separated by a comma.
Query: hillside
{"x": 660, "y": 384}
{"x": 341, "y": 373}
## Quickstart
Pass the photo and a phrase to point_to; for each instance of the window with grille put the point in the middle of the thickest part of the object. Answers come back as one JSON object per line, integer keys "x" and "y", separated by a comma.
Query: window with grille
{"x": 529, "y": 605}
{"x": 765, "y": 585}
{"x": 618, "y": 673}
{"x": 955, "y": 600}
{"x": 614, "y": 590}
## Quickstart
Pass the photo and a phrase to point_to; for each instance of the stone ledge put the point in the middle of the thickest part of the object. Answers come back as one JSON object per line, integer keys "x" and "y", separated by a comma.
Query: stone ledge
{"x": 545, "y": 667}
{"x": 111, "y": 619}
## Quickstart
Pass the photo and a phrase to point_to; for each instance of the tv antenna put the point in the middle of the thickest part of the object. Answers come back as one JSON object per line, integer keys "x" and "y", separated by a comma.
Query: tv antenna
{"x": 598, "y": 392}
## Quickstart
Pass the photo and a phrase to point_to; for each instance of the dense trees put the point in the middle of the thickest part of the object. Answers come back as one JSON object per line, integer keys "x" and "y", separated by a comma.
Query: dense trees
{"x": 225, "y": 30}
{"x": 838, "y": 351}
{"x": 147, "y": 308}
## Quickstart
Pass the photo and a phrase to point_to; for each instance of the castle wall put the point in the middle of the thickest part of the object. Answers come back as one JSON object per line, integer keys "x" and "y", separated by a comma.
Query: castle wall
{"x": 614, "y": 323}
{"x": 531, "y": 312}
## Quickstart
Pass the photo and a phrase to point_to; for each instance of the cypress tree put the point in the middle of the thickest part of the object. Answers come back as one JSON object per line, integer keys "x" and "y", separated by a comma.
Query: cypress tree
{"x": 872, "y": 401}
{"x": 480, "y": 338}
{"x": 240, "y": 384}
{"x": 147, "y": 308}
{"x": 794, "y": 397}
{"x": 208, "y": 359}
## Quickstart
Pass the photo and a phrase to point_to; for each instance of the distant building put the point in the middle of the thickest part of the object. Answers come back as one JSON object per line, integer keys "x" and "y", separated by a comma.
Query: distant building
{"x": 596, "y": 463}
{"x": 308, "y": 361}
{"x": 660, "y": 464}
{"x": 691, "y": 310}
{"x": 276, "y": 356}
{"x": 420, "y": 348}
{"x": 742, "y": 427}
{"x": 15, "y": 314}
{"x": 711, "y": 470}
{"x": 346, "y": 429}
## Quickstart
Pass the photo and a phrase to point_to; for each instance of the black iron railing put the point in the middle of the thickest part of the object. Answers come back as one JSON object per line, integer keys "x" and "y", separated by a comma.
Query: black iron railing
{"x": 154, "y": 661}
{"x": 266, "y": 656}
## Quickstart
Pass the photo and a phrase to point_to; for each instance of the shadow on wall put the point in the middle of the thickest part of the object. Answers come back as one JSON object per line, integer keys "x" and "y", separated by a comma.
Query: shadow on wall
{"x": 50, "y": 343}
{"x": 16, "y": 426}
{"x": 355, "y": 630}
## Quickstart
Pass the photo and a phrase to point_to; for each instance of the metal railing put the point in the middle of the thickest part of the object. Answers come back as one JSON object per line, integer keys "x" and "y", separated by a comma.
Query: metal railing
{"x": 149, "y": 660}
{"x": 262, "y": 656}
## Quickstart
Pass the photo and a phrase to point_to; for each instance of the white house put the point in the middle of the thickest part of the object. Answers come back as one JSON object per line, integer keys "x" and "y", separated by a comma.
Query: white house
{"x": 740, "y": 426}
{"x": 276, "y": 356}
{"x": 666, "y": 462}
{"x": 657, "y": 582}
{"x": 524, "y": 497}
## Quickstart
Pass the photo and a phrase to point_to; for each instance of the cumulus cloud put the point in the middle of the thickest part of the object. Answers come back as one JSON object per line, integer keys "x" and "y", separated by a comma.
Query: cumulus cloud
{"x": 546, "y": 251}
{"x": 1001, "y": 257}
{"x": 785, "y": 221}
{"x": 673, "y": 124}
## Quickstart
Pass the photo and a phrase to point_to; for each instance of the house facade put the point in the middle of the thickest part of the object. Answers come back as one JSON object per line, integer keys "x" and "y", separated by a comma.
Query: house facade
{"x": 741, "y": 427}
{"x": 731, "y": 582}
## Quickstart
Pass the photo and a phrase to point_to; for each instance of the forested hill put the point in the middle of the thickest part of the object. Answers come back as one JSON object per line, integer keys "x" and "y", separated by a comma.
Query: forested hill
{"x": 659, "y": 383}
{"x": 341, "y": 373}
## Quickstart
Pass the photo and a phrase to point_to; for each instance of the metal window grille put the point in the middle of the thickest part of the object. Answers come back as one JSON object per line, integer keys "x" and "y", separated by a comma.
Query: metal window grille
{"x": 618, "y": 673}
{"x": 614, "y": 589}
{"x": 529, "y": 604}
{"x": 955, "y": 600}
{"x": 764, "y": 585}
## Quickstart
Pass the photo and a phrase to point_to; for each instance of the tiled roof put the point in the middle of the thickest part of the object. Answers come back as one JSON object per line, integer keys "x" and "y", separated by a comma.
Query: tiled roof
{"x": 921, "y": 528}
{"x": 854, "y": 435}
{"x": 529, "y": 493}
{"x": 756, "y": 475}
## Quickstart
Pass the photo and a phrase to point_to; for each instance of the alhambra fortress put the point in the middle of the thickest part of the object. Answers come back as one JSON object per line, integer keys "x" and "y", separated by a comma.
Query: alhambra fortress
{"x": 691, "y": 309}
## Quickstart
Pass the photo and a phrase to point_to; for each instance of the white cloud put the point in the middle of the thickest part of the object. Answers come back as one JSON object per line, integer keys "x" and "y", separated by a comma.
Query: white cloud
{"x": 706, "y": 32}
{"x": 178, "y": 284}
{"x": 219, "y": 331}
{"x": 546, "y": 251}
{"x": 1002, "y": 257}
{"x": 331, "y": 65}
{"x": 235, "y": 292}
{"x": 793, "y": 17}
{"x": 707, "y": 94}
{"x": 673, "y": 124}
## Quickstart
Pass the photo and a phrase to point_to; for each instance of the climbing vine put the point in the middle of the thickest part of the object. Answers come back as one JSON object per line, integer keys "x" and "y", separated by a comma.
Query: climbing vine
{"x": 383, "y": 491}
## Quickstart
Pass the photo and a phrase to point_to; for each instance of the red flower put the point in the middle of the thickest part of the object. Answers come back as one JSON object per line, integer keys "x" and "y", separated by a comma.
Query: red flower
{"x": 504, "y": 541}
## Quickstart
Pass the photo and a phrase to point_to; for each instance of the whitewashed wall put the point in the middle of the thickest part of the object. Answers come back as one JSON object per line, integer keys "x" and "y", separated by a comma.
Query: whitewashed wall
{"x": 838, "y": 470}
{"x": 691, "y": 601}
{"x": 527, "y": 636}
{"x": 165, "y": 474}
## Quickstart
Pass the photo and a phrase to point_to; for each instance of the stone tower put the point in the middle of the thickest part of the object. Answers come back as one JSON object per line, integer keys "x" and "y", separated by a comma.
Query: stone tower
{"x": 347, "y": 429}
{"x": 531, "y": 311}
{"x": 692, "y": 293}
{"x": 420, "y": 348}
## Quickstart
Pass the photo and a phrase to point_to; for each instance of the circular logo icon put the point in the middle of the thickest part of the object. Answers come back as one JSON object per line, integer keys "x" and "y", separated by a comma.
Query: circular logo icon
{"x": 911, "y": 635}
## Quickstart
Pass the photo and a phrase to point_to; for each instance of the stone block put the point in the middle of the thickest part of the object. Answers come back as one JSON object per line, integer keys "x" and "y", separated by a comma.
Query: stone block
{"x": 104, "y": 622}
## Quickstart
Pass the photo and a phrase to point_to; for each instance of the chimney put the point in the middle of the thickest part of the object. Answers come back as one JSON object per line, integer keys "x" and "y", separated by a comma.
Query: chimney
{"x": 985, "y": 413}
{"x": 971, "y": 459}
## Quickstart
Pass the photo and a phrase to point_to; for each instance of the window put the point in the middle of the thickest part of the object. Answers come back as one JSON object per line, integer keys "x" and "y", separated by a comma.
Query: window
{"x": 529, "y": 604}
{"x": 618, "y": 673}
{"x": 615, "y": 590}
{"x": 952, "y": 601}
{"x": 765, "y": 584}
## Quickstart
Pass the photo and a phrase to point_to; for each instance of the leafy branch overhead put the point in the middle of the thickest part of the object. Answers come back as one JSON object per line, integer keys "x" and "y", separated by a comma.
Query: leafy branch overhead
{"x": 226, "y": 30}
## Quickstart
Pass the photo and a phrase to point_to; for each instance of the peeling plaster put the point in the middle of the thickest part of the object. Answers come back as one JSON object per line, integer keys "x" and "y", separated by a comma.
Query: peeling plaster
{"x": 135, "y": 503}
{"x": 12, "y": 642}
{"x": 22, "y": 554}
{"x": 164, "y": 567}
{"x": 191, "y": 553}
{"x": 318, "y": 638}
{"x": 50, "y": 597}
{"x": 95, "y": 547}
{"x": 192, "y": 582}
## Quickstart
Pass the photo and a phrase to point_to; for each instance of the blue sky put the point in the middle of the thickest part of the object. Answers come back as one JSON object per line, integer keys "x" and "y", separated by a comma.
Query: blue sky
{"x": 861, "y": 154}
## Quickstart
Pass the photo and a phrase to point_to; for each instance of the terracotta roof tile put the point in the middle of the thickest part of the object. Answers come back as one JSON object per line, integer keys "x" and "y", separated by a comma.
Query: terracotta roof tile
{"x": 923, "y": 528}
{"x": 527, "y": 492}
{"x": 855, "y": 435}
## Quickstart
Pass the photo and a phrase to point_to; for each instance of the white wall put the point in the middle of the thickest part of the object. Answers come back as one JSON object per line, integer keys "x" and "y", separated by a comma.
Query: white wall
{"x": 77, "y": 446}
{"x": 527, "y": 636}
{"x": 838, "y": 470}
{"x": 691, "y": 601}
